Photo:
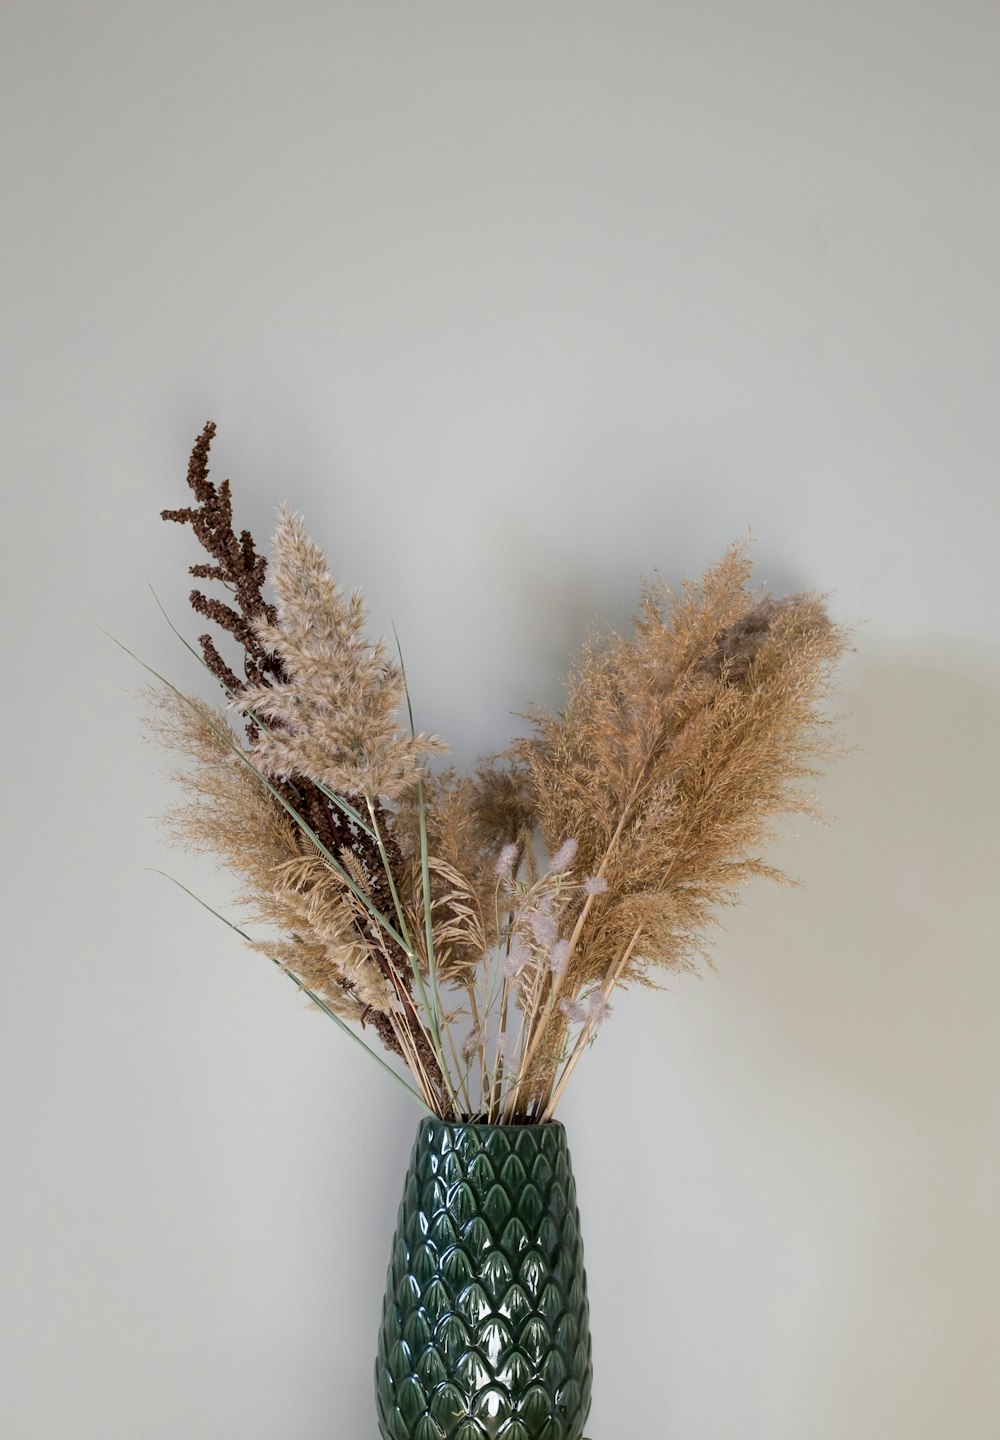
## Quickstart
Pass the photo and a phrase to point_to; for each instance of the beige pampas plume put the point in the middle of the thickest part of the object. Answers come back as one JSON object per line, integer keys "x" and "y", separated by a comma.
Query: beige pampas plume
{"x": 677, "y": 749}
{"x": 335, "y": 718}
{"x": 230, "y": 813}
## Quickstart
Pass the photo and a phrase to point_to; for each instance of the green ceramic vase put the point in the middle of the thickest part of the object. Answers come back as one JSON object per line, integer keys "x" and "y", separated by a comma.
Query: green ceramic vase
{"x": 485, "y": 1327}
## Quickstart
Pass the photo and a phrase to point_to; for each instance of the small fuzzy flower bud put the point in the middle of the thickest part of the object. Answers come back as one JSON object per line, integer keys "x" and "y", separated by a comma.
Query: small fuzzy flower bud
{"x": 595, "y": 885}
{"x": 506, "y": 862}
{"x": 574, "y": 1010}
{"x": 544, "y": 928}
{"x": 508, "y": 1051}
{"x": 597, "y": 1008}
{"x": 563, "y": 858}
{"x": 515, "y": 962}
{"x": 558, "y": 956}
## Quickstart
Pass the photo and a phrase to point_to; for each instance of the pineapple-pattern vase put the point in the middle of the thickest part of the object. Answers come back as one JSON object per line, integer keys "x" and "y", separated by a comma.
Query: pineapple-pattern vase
{"x": 485, "y": 1332}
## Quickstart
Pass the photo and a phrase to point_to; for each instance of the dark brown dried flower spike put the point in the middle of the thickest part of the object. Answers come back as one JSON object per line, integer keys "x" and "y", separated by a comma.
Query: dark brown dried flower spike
{"x": 237, "y": 565}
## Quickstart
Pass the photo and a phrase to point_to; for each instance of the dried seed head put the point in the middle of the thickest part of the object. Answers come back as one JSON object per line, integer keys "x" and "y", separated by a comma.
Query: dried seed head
{"x": 563, "y": 858}
{"x": 559, "y": 957}
{"x": 507, "y": 861}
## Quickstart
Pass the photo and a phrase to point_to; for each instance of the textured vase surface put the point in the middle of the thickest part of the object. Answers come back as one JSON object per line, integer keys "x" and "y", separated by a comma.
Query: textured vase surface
{"x": 485, "y": 1326}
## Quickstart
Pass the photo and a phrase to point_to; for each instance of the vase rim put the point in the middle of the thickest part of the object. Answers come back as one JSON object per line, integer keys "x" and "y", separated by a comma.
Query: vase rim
{"x": 494, "y": 1125}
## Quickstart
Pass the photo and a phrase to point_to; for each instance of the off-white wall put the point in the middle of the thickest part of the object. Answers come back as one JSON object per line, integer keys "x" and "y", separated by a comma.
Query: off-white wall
{"x": 515, "y": 301}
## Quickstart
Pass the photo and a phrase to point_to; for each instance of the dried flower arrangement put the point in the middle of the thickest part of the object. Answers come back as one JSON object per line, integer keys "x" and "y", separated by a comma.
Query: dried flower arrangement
{"x": 479, "y": 925}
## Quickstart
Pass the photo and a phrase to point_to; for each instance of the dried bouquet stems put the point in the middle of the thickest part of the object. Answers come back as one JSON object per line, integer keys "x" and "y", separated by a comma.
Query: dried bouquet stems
{"x": 480, "y": 924}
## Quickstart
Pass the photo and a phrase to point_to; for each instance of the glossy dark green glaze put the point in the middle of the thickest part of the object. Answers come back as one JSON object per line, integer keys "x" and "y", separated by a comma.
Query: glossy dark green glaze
{"x": 485, "y": 1326}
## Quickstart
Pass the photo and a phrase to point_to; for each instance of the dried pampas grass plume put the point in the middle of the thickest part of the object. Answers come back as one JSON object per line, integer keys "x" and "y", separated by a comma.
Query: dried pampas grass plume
{"x": 335, "y": 718}
{"x": 481, "y": 923}
{"x": 677, "y": 749}
{"x": 230, "y": 813}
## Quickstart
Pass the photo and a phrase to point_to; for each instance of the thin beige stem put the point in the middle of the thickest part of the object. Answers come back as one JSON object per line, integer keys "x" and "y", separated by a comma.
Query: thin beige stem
{"x": 433, "y": 1033}
{"x": 478, "y": 1028}
{"x": 583, "y": 1039}
{"x": 409, "y": 1015}
{"x": 496, "y": 1086}
{"x": 463, "y": 1087}
{"x": 537, "y": 1030}
{"x": 413, "y": 1059}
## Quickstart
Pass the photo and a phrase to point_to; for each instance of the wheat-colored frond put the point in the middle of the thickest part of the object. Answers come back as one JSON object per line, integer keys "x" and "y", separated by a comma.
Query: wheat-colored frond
{"x": 284, "y": 882}
{"x": 335, "y": 719}
{"x": 677, "y": 750}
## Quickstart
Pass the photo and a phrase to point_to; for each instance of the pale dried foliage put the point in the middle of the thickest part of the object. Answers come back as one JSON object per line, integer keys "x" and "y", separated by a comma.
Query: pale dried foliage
{"x": 488, "y": 969}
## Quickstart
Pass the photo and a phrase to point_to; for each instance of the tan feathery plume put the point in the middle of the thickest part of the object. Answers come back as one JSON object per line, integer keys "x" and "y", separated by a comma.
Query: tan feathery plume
{"x": 335, "y": 719}
{"x": 677, "y": 749}
{"x": 284, "y": 883}
{"x": 692, "y": 736}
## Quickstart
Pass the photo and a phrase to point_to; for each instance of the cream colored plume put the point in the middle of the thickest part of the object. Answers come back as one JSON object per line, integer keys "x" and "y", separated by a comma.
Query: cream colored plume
{"x": 335, "y": 717}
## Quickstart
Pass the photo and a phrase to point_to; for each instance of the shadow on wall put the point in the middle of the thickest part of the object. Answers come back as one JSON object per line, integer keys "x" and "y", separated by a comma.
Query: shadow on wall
{"x": 887, "y": 1031}
{"x": 893, "y": 1031}
{"x": 824, "y": 1226}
